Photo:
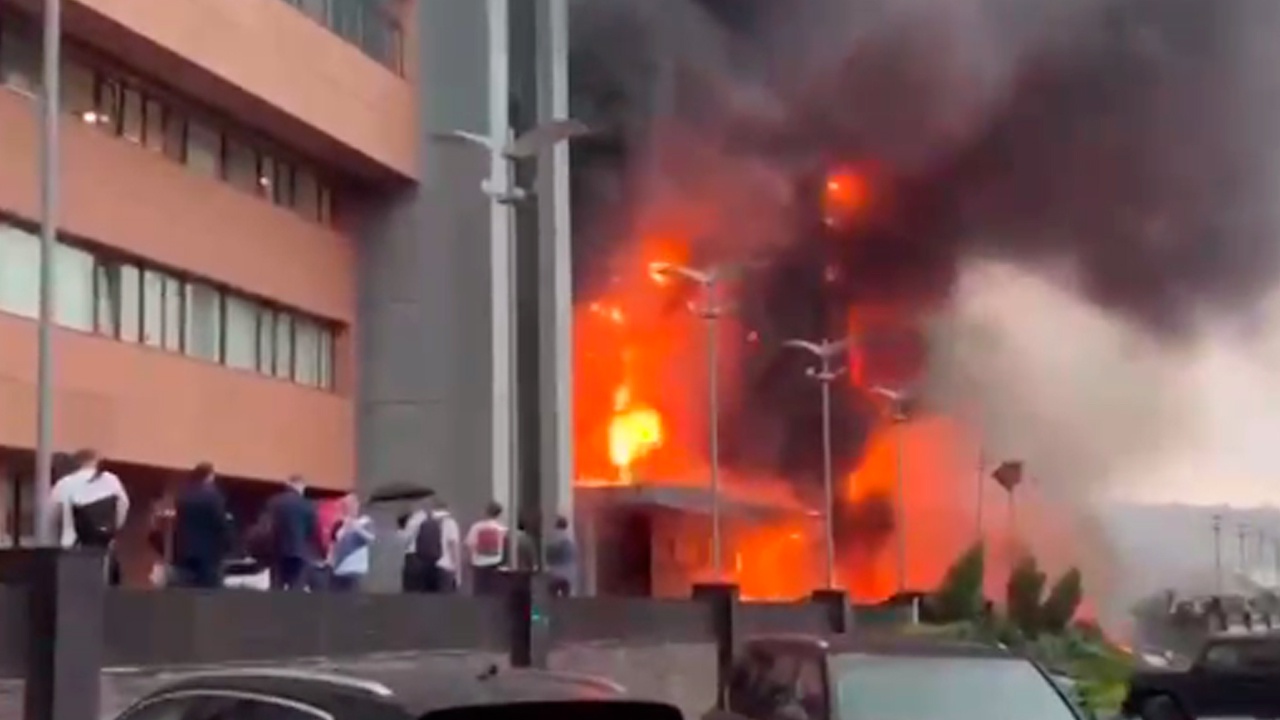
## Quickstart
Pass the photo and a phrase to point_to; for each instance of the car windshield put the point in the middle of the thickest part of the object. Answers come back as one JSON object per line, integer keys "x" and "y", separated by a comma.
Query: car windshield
{"x": 953, "y": 688}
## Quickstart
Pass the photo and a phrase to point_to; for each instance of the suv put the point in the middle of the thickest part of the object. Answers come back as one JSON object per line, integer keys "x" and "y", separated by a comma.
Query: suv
{"x": 1233, "y": 676}
{"x": 891, "y": 678}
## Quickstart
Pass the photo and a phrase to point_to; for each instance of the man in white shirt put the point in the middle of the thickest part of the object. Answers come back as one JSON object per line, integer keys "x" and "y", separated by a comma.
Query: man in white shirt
{"x": 450, "y": 562}
{"x": 486, "y": 542}
{"x": 88, "y": 506}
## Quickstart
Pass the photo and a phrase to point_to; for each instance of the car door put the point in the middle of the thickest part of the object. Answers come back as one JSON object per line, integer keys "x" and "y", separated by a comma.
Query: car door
{"x": 1220, "y": 684}
{"x": 210, "y": 704}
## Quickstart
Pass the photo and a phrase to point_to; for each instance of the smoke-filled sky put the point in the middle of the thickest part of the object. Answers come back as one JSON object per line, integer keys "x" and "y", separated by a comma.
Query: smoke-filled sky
{"x": 1096, "y": 180}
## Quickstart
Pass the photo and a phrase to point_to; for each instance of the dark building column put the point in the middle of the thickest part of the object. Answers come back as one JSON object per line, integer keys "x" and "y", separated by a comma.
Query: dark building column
{"x": 423, "y": 333}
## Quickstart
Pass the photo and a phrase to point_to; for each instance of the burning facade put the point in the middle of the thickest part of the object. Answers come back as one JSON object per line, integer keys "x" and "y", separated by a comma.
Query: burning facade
{"x": 844, "y": 200}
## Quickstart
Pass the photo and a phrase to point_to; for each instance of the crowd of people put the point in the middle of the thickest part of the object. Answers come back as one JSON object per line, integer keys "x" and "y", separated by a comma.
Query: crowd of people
{"x": 291, "y": 546}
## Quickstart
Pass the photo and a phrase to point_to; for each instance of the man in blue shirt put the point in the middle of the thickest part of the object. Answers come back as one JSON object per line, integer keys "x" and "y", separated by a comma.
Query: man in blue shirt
{"x": 295, "y": 535}
{"x": 201, "y": 531}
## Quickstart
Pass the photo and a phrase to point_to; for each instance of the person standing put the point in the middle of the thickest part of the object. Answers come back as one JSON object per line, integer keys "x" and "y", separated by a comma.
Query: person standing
{"x": 87, "y": 508}
{"x": 295, "y": 535}
{"x": 450, "y": 562}
{"x": 485, "y": 543}
{"x": 201, "y": 531}
{"x": 561, "y": 558}
{"x": 421, "y": 547}
{"x": 349, "y": 553}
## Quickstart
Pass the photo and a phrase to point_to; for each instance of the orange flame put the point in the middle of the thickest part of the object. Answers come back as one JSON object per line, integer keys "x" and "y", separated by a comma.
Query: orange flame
{"x": 634, "y": 432}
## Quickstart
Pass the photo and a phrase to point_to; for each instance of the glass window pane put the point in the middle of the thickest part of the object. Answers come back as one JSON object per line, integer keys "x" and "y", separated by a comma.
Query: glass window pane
{"x": 242, "y": 333}
{"x": 19, "y": 56}
{"x": 326, "y": 359}
{"x": 152, "y": 308}
{"x": 204, "y": 148}
{"x": 284, "y": 345}
{"x": 106, "y": 299}
{"x": 78, "y": 91}
{"x": 266, "y": 342}
{"x": 108, "y": 104}
{"x": 204, "y": 321}
{"x": 306, "y": 352}
{"x": 175, "y": 135}
{"x": 132, "y": 122}
{"x": 242, "y": 166}
{"x": 174, "y": 296}
{"x": 306, "y": 194}
{"x": 324, "y": 209}
{"x": 129, "y": 282}
{"x": 283, "y": 183}
{"x": 73, "y": 285}
{"x": 153, "y": 134}
{"x": 19, "y": 272}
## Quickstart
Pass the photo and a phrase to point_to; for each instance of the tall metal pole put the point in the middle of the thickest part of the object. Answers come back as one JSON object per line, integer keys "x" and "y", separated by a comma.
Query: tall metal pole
{"x": 829, "y": 500}
{"x": 49, "y": 185}
{"x": 1242, "y": 533}
{"x": 1217, "y": 553}
{"x": 901, "y": 502}
{"x": 712, "y": 314}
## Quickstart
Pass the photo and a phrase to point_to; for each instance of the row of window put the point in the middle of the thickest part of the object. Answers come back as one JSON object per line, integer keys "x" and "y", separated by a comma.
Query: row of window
{"x": 146, "y": 116}
{"x": 370, "y": 25}
{"x": 135, "y": 303}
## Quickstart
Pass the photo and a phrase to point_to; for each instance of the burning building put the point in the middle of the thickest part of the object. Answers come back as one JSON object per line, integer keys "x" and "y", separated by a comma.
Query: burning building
{"x": 847, "y": 159}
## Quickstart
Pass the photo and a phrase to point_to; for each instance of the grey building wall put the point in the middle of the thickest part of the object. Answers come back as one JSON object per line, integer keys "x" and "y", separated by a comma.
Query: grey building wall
{"x": 425, "y": 350}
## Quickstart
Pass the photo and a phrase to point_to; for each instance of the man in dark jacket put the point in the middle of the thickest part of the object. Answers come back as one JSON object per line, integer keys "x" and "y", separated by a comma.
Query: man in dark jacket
{"x": 201, "y": 531}
{"x": 295, "y": 532}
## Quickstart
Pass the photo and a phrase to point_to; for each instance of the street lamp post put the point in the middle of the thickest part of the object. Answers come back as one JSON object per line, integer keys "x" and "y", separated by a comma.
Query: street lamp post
{"x": 1217, "y": 553}
{"x": 1243, "y": 534}
{"x": 710, "y": 310}
{"x": 898, "y": 416}
{"x": 505, "y": 150}
{"x": 826, "y": 351}
{"x": 51, "y": 56}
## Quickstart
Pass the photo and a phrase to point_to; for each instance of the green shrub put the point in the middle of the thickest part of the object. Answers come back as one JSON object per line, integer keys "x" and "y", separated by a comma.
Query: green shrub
{"x": 1023, "y": 595}
{"x": 1064, "y": 599}
{"x": 959, "y": 598}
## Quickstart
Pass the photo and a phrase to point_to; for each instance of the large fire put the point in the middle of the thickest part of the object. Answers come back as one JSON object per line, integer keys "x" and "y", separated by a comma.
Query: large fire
{"x": 641, "y": 418}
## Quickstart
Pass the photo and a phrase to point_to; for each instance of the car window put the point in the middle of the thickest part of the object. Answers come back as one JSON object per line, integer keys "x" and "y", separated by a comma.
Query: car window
{"x": 1250, "y": 655}
{"x": 765, "y": 684}
{"x": 869, "y": 687}
{"x": 221, "y": 706}
{"x": 1223, "y": 656}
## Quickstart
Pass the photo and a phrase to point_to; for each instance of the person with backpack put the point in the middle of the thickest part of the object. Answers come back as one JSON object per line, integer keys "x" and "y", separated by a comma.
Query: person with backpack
{"x": 294, "y": 528}
{"x": 432, "y": 545}
{"x": 486, "y": 542}
{"x": 88, "y": 506}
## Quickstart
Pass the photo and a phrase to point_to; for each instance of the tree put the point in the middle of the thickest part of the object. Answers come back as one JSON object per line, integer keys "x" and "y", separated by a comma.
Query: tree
{"x": 1023, "y": 595}
{"x": 959, "y": 597}
{"x": 1063, "y": 602}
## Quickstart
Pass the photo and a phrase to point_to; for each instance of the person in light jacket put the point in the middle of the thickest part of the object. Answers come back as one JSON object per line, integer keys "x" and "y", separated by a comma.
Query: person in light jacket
{"x": 349, "y": 552}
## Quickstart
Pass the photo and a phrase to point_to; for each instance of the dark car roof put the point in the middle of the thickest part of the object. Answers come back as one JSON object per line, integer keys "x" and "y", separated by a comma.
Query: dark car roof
{"x": 412, "y": 689}
{"x": 873, "y": 643}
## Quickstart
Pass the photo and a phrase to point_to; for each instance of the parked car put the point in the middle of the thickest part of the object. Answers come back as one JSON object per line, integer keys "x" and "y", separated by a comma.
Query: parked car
{"x": 886, "y": 678}
{"x": 392, "y": 694}
{"x": 1233, "y": 676}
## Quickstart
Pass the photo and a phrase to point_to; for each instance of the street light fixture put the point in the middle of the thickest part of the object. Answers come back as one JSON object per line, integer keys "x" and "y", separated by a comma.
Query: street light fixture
{"x": 898, "y": 415}
{"x": 711, "y": 310}
{"x": 1217, "y": 552}
{"x": 505, "y": 150}
{"x": 826, "y": 351}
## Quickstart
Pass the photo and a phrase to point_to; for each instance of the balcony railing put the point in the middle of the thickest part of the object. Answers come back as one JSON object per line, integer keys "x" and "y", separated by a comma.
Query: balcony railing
{"x": 371, "y": 25}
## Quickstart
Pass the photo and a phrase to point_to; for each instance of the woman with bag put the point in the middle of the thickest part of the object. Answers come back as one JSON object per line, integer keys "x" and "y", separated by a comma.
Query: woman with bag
{"x": 349, "y": 551}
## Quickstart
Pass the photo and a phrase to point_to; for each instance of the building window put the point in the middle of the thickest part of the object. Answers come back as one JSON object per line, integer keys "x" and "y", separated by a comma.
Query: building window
{"x": 19, "y": 56}
{"x": 73, "y": 286}
{"x": 152, "y": 308}
{"x": 19, "y": 272}
{"x": 79, "y": 85}
{"x": 284, "y": 346}
{"x": 153, "y": 135}
{"x": 204, "y": 321}
{"x": 133, "y": 122}
{"x": 107, "y": 102}
{"x": 175, "y": 136}
{"x": 174, "y": 299}
{"x": 204, "y": 149}
{"x": 266, "y": 342}
{"x": 241, "y": 168}
{"x": 306, "y": 194}
{"x": 128, "y": 299}
{"x": 242, "y": 333}
{"x": 306, "y": 352}
{"x": 325, "y": 367}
